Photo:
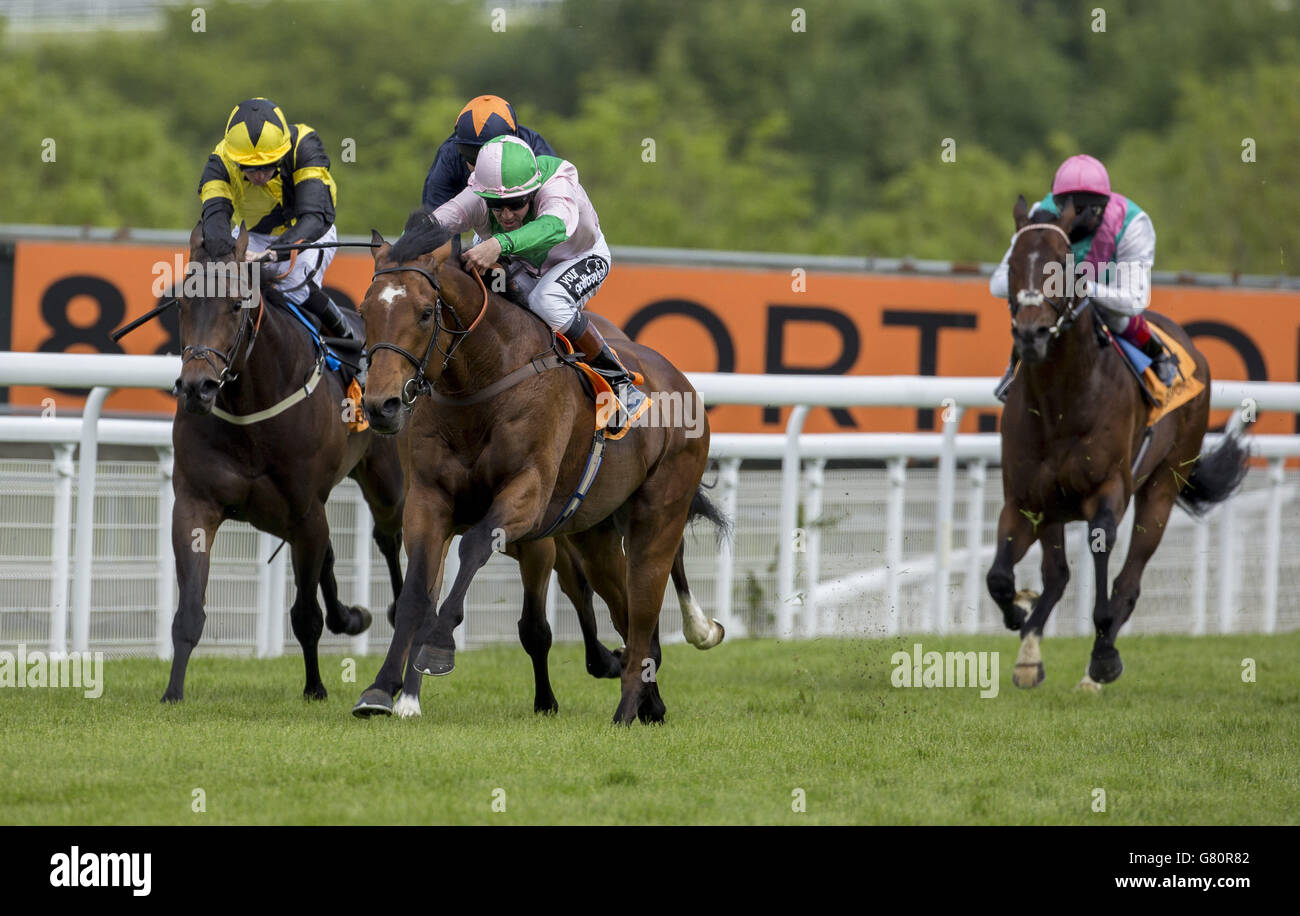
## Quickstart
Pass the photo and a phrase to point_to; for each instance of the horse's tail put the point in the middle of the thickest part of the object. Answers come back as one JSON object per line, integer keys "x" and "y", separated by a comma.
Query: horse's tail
{"x": 699, "y": 630}
{"x": 704, "y": 508}
{"x": 1216, "y": 475}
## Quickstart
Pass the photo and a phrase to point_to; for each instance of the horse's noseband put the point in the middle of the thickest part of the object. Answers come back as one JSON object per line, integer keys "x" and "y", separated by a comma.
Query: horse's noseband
{"x": 419, "y": 383}
{"x": 1066, "y": 310}
{"x": 225, "y": 373}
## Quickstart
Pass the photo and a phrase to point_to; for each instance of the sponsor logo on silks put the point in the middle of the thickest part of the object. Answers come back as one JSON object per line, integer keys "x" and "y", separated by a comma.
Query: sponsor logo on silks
{"x": 946, "y": 669}
{"x": 103, "y": 869}
{"x": 38, "y": 669}
{"x": 580, "y": 278}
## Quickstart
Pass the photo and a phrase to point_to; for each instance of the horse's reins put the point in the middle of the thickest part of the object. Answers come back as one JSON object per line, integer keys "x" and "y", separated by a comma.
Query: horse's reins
{"x": 1067, "y": 311}
{"x": 420, "y": 381}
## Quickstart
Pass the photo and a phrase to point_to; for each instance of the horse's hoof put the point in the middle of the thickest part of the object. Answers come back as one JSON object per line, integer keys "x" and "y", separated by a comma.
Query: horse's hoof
{"x": 717, "y": 633}
{"x": 1028, "y": 675}
{"x": 652, "y": 711}
{"x": 606, "y": 665}
{"x": 374, "y": 702}
{"x": 406, "y": 707}
{"x": 435, "y": 660}
{"x": 392, "y": 615}
{"x": 170, "y": 697}
{"x": 363, "y": 620}
{"x": 548, "y": 707}
{"x": 315, "y": 693}
{"x": 1106, "y": 667}
{"x": 1088, "y": 685}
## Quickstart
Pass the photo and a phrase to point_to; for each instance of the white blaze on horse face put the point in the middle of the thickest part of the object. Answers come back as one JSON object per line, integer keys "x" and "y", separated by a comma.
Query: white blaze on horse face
{"x": 391, "y": 293}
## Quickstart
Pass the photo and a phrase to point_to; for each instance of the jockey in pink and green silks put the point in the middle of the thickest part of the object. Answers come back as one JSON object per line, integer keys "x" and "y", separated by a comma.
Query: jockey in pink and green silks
{"x": 1114, "y": 237}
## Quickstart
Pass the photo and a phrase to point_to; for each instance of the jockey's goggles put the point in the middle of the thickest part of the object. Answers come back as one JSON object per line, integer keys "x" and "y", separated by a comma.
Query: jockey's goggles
{"x": 513, "y": 203}
{"x": 267, "y": 167}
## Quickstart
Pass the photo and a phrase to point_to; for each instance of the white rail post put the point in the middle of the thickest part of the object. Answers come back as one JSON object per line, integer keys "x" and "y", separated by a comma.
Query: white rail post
{"x": 938, "y": 622}
{"x": 894, "y": 541}
{"x": 813, "y": 544}
{"x": 279, "y": 589}
{"x": 1200, "y": 576}
{"x": 450, "y": 570}
{"x": 86, "y": 518}
{"x": 361, "y": 570}
{"x": 262, "y": 631}
{"x": 1227, "y": 567}
{"x": 785, "y": 595}
{"x": 1083, "y": 583}
{"x": 64, "y": 471}
{"x": 729, "y": 481}
{"x": 166, "y": 561}
{"x": 977, "y": 472}
{"x": 552, "y": 599}
{"x": 1273, "y": 542}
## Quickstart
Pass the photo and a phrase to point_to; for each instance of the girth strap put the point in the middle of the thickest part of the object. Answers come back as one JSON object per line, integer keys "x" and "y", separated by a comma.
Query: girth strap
{"x": 542, "y": 362}
{"x": 594, "y": 458}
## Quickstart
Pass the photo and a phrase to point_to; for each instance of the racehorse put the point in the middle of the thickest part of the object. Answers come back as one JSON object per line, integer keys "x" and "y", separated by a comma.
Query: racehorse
{"x": 1073, "y": 449}
{"x": 259, "y": 436}
{"x": 499, "y": 463}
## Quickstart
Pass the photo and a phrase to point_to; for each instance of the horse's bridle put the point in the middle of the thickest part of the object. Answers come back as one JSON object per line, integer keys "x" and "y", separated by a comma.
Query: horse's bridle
{"x": 1066, "y": 310}
{"x": 420, "y": 382}
{"x": 226, "y": 373}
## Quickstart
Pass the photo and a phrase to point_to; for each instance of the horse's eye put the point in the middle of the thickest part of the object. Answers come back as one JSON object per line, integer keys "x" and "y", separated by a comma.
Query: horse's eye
{"x": 426, "y": 315}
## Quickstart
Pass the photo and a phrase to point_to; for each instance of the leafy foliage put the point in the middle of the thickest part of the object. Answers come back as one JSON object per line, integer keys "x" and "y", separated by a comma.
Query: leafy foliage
{"x": 827, "y": 140}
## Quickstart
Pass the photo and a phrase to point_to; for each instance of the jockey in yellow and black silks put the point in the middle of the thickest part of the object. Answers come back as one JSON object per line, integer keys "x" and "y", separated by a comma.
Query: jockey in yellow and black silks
{"x": 274, "y": 177}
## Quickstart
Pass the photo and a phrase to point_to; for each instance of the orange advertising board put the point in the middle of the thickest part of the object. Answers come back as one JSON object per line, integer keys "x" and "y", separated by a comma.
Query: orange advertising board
{"x": 68, "y": 297}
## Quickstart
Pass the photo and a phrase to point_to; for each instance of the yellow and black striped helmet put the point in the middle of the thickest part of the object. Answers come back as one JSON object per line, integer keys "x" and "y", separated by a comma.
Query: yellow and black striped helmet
{"x": 256, "y": 133}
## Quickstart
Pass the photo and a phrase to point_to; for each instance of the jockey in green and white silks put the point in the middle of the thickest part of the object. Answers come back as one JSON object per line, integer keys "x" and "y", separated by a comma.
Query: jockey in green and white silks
{"x": 533, "y": 210}
{"x": 1115, "y": 237}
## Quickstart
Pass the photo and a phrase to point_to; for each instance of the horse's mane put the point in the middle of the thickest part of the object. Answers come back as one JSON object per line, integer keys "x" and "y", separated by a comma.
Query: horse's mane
{"x": 421, "y": 234}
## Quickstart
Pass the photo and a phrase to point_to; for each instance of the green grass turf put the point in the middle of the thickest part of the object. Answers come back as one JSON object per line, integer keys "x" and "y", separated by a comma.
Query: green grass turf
{"x": 1178, "y": 739}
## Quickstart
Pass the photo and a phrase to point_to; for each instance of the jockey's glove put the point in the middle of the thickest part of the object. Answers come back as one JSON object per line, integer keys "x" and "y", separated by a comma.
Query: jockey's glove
{"x": 307, "y": 228}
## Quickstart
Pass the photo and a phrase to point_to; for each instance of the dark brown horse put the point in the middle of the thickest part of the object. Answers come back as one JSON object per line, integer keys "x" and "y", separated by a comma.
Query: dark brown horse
{"x": 1072, "y": 432}
{"x": 274, "y": 472}
{"x": 501, "y": 470}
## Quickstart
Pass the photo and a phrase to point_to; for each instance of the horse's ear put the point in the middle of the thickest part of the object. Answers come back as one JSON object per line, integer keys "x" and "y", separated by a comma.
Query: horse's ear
{"x": 241, "y": 243}
{"x": 1068, "y": 216}
{"x": 196, "y": 240}
{"x": 378, "y": 247}
{"x": 1021, "y": 211}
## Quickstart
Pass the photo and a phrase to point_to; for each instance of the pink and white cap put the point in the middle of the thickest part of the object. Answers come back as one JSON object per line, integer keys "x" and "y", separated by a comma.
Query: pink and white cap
{"x": 1081, "y": 173}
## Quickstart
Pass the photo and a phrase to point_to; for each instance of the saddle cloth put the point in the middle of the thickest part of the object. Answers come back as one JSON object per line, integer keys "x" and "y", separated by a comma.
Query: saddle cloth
{"x": 1162, "y": 400}
{"x": 601, "y": 391}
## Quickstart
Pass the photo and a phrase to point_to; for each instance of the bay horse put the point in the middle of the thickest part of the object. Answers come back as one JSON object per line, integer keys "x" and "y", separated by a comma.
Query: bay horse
{"x": 1072, "y": 449}
{"x": 275, "y": 473}
{"x": 500, "y": 468}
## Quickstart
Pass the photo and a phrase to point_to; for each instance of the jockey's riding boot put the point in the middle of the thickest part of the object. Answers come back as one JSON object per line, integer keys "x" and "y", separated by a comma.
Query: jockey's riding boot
{"x": 1162, "y": 361}
{"x": 632, "y": 401}
{"x": 331, "y": 316}
{"x": 1000, "y": 392}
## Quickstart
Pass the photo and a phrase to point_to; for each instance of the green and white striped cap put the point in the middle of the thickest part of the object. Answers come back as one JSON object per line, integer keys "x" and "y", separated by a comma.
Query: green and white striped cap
{"x": 506, "y": 167}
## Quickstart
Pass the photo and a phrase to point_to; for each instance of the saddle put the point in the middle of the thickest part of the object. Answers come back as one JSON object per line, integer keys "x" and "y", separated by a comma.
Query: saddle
{"x": 342, "y": 357}
{"x": 1161, "y": 399}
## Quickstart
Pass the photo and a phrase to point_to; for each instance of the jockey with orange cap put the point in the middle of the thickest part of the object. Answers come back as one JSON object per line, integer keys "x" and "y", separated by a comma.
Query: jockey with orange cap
{"x": 484, "y": 117}
{"x": 274, "y": 178}
{"x": 533, "y": 209}
{"x": 1110, "y": 231}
